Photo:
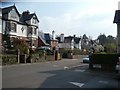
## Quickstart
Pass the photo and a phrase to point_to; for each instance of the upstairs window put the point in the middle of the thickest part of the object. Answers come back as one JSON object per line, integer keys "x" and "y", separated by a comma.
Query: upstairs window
{"x": 34, "y": 21}
{"x": 35, "y": 31}
{"x": 30, "y": 30}
{"x": 13, "y": 14}
{"x": 13, "y": 27}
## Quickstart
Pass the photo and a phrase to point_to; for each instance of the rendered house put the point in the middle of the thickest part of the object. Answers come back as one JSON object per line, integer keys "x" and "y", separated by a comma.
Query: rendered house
{"x": 21, "y": 26}
{"x": 69, "y": 42}
{"x": 0, "y": 27}
{"x": 117, "y": 21}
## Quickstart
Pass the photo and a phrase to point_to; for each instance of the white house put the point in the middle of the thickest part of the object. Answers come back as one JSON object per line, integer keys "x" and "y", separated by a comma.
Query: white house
{"x": 21, "y": 26}
{"x": 0, "y": 26}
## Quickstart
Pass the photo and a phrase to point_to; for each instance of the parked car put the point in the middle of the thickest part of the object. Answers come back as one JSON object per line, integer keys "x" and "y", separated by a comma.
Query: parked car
{"x": 118, "y": 66}
{"x": 86, "y": 59}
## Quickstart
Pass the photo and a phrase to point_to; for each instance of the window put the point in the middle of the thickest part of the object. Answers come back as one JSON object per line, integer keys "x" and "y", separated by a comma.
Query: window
{"x": 13, "y": 14}
{"x": 30, "y": 30}
{"x": 13, "y": 27}
{"x": 34, "y": 21}
{"x": 7, "y": 27}
{"x": 35, "y": 31}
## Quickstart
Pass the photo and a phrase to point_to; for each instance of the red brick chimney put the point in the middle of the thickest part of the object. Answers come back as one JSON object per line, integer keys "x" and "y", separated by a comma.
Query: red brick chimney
{"x": 26, "y": 13}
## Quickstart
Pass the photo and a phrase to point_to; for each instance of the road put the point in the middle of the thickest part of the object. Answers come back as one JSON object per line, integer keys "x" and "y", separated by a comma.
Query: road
{"x": 66, "y": 73}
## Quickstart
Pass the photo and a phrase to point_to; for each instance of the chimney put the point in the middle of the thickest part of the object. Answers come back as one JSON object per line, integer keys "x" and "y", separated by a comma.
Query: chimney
{"x": 26, "y": 13}
{"x": 74, "y": 36}
{"x": 53, "y": 35}
{"x": 62, "y": 37}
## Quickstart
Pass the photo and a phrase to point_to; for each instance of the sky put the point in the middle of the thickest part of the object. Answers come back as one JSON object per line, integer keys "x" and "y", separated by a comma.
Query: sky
{"x": 72, "y": 17}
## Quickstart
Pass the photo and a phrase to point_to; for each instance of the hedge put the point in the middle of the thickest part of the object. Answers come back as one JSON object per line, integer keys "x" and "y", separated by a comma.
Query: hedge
{"x": 9, "y": 59}
{"x": 106, "y": 60}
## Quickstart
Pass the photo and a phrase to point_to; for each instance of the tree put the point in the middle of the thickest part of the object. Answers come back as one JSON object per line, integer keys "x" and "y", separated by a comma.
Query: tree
{"x": 102, "y": 39}
{"x": 21, "y": 45}
{"x": 108, "y": 42}
{"x": 110, "y": 47}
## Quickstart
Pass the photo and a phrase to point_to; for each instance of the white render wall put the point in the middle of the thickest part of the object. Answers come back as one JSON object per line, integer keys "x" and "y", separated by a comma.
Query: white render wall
{"x": 0, "y": 21}
{"x": 0, "y": 25}
{"x": 3, "y": 26}
{"x": 19, "y": 31}
{"x": 9, "y": 15}
{"x": 34, "y": 23}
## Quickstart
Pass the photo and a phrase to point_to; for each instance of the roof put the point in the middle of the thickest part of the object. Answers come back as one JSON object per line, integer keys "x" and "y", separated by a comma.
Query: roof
{"x": 6, "y": 10}
{"x": 117, "y": 17}
{"x": 28, "y": 17}
{"x": 77, "y": 39}
{"x": 47, "y": 37}
{"x": 43, "y": 41}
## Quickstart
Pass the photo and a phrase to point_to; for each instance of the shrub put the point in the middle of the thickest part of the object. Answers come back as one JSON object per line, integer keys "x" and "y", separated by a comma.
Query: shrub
{"x": 106, "y": 60}
{"x": 9, "y": 59}
{"x": 21, "y": 45}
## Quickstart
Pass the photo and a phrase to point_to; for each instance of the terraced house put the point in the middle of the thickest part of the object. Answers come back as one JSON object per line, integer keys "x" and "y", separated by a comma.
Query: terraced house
{"x": 21, "y": 26}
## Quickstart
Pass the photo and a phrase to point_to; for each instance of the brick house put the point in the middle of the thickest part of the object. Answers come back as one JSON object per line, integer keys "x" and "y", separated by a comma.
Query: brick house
{"x": 21, "y": 26}
{"x": 46, "y": 39}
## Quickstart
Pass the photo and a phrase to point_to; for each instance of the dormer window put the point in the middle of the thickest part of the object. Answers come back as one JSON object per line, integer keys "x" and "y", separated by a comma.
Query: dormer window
{"x": 34, "y": 21}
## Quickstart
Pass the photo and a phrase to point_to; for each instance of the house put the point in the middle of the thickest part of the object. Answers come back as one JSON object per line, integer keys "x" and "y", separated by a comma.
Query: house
{"x": 117, "y": 21}
{"x": 69, "y": 42}
{"x": 46, "y": 40}
{"x": 0, "y": 27}
{"x": 21, "y": 26}
{"x": 42, "y": 41}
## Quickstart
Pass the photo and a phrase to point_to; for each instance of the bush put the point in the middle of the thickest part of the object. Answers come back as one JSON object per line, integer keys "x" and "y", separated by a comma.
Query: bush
{"x": 107, "y": 60}
{"x": 9, "y": 59}
{"x": 21, "y": 45}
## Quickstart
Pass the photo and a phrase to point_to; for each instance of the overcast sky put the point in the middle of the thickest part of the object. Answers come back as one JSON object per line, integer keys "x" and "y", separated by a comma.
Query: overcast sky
{"x": 90, "y": 17}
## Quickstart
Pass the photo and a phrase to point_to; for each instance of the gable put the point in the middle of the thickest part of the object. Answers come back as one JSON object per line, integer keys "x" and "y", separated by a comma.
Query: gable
{"x": 13, "y": 15}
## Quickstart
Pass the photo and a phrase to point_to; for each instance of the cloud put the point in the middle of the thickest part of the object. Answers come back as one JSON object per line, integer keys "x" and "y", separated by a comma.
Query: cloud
{"x": 91, "y": 20}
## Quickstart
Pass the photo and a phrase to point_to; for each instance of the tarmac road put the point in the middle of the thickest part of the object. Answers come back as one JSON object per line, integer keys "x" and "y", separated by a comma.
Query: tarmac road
{"x": 67, "y": 73}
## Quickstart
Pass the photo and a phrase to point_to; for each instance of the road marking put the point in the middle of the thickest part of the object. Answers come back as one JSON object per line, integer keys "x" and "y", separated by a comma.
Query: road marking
{"x": 103, "y": 82}
{"x": 66, "y": 67}
{"x": 78, "y": 65}
{"x": 77, "y": 70}
{"x": 77, "y": 84}
{"x": 55, "y": 65}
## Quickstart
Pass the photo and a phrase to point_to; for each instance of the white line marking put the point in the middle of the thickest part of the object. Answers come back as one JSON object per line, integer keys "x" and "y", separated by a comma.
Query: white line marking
{"x": 55, "y": 65}
{"x": 78, "y": 66}
{"x": 79, "y": 70}
{"x": 103, "y": 82}
{"x": 66, "y": 67}
{"x": 77, "y": 84}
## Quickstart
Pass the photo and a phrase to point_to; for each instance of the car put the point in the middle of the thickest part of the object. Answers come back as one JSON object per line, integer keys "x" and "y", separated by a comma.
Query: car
{"x": 118, "y": 66}
{"x": 86, "y": 59}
